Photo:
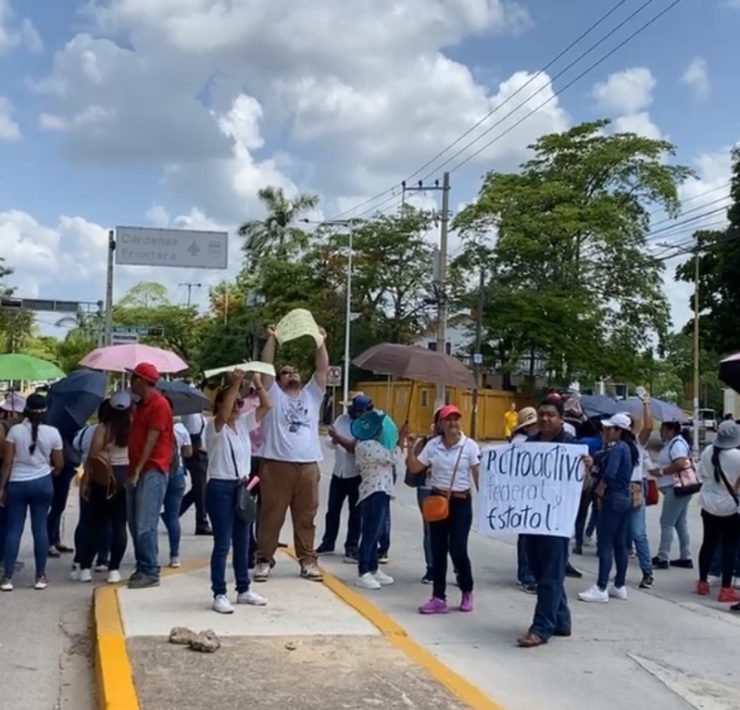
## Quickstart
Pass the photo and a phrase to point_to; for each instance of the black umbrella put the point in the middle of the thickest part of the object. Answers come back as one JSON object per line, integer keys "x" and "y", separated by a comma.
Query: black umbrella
{"x": 184, "y": 397}
{"x": 72, "y": 400}
{"x": 729, "y": 371}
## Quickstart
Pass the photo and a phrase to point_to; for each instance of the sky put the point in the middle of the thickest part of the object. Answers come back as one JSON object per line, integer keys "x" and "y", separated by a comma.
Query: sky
{"x": 174, "y": 113}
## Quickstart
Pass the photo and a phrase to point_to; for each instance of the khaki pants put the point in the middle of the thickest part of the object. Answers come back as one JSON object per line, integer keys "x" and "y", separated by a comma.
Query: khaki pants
{"x": 282, "y": 485}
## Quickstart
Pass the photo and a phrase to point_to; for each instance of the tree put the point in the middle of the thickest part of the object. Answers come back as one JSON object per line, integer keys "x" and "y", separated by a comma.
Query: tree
{"x": 16, "y": 324}
{"x": 276, "y": 233}
{"x": 719, "y": 282}
{"x": 570, "y": 278}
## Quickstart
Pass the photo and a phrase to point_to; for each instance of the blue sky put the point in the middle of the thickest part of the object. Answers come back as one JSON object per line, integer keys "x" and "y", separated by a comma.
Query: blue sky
{"x": 175, "y": 113}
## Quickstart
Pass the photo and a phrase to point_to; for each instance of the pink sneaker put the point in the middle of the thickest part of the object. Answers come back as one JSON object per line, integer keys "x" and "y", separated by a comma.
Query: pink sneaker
{"x": 434, "y": 606}
{"x": 467, "y": 602}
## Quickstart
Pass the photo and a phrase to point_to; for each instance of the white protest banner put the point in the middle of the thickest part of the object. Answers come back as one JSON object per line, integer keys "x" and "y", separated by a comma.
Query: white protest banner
{"x": 264, "y": 368}
{"x": 530, "y": 488}
{"x": 296, "y": 324}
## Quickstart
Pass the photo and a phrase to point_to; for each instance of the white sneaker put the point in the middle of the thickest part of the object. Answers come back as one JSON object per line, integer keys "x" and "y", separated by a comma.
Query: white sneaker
{"x": 74, "y": 574}
{"x": 41, "y": 583}
{"x": 261, "y": 571}
{"x": 383, "y": 578}
{"x": 222, "y": 605}
{"x": 367, "y": 581}
{"x": 594, "y": 594}
{"x": 85, "y": 575}
{"x": 618, "y": 592}
{"x": 311, "y": 571}
{"x": 252, "y": 598}
{"x": 114, "y": 576}
{"x": 6, "y": 585}
{"x": 175, "y": 563}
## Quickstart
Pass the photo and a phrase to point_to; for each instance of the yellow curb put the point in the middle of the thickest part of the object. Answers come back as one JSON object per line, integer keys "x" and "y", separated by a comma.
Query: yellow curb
{"x": 115, "y": 677}
{"x": 396, "y": 634}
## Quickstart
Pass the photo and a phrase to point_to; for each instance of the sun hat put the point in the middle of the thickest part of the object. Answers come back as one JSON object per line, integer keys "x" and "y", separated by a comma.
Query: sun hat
{"x": 14, "y": 402}
{"x": 368, "y": 426}
{"x": 618, "y": 421}
{"x": 728, "y": 436}
{"x": 120, "y": 400}
{"x": 449, "y": 410}
{"x": 147, "y": 372}
{"x": 526, "y": 417}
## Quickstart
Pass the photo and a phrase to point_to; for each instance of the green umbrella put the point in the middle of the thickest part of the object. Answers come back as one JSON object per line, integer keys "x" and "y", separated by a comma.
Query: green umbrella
{"x": 15, "y": 366}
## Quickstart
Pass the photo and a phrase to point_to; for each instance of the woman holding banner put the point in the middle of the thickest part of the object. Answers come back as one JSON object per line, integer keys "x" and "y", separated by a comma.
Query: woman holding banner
{"x": 453, "y": 461}
{"x": 613, "y": 491}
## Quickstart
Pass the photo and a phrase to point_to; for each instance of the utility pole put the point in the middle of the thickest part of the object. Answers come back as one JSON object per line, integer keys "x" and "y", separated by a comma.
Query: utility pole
{"x": 696, "y": 353}
{"x": 108, "y": 331}
{"x": 190, "y": 286}
{"x": 477, "y": 357}
{"x": 440, "y": 285}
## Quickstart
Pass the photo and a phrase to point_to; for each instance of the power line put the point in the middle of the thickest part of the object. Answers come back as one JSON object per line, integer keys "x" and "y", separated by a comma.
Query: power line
{"x": 593, "y": 66}
{"x": 661, "y": 232}
{"x": 539, "y": 73}
{"x": 693, "y": 197}
{"x": 694, "y": 209}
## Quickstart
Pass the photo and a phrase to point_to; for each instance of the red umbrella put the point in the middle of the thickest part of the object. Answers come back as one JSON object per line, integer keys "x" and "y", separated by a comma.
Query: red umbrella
{"x": 415, "y": 363}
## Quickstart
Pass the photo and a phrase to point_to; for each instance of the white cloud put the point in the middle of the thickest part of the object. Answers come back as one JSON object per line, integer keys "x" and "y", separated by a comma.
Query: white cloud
{"x": 9, "y": 130}
{"x": 639, "y": 123}
{"x": 625, "y": 92}
{"x": 696, "y": 78}
{"x": 157, "y": 216}
{"x": 734, "y": 4}
{"x": 14, "y": 35}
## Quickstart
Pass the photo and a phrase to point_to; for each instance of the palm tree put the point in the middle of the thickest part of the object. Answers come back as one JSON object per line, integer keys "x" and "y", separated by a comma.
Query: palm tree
{"x": 277, "y": 232}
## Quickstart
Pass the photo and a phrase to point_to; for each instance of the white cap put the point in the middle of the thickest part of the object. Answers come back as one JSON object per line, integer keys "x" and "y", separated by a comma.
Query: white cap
{"x": 14, "y": 402}
{"x": 618, "y": 421}
{"x": 120, "y": 400}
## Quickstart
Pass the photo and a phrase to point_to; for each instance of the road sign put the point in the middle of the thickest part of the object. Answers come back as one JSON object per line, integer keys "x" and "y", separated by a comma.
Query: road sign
{"x": 477, "y": 359}
{"x": 122, "y": 337}
{"x": 147, "y": 246}
{"x": 334, "y": 376}
{"x": 141, "y": 330}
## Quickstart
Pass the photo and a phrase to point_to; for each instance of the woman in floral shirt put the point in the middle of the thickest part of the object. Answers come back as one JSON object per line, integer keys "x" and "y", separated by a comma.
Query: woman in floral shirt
{"x": 376, "y": 455}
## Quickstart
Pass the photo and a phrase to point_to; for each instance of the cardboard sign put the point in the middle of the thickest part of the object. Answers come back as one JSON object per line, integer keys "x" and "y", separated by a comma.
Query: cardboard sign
{"x": 263, "y": 368}
{"x": 532, "y": 489}
{"x": 296, "y": 324}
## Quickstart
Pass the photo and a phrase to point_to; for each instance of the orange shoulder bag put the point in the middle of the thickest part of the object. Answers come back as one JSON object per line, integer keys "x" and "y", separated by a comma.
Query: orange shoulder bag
{"x": 436, "y": 507}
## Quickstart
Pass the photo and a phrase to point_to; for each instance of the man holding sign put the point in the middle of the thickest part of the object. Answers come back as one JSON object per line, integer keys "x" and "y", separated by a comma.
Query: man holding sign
{"x": 534, "y": 489}
{"x": 291, "y": 452}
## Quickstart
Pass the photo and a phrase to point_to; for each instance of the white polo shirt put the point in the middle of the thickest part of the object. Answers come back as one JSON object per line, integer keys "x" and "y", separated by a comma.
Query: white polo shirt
{"x": 345, "y": 465}
{"x": 182, "y": 437}
{"x": 441, "y": 461}
{"x": 220, "y": 445}
{"x": 676, "y": 448}
{"x": 29, "y": 466}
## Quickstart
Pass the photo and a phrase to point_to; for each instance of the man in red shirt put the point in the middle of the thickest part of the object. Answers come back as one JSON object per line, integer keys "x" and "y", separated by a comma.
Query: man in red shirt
{"x": 149, "y": 453}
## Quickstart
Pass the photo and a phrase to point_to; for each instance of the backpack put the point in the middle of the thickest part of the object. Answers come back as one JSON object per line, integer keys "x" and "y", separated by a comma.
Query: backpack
{"x": 99, "y": 471}
{"x": 196, "y": 440}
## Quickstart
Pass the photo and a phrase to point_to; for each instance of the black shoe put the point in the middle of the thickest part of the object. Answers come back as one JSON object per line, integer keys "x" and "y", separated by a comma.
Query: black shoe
{"x": 143, "y": 582}
{"x": 565, "y": 632}
{"x": 683, "y": 564}
{"x": 530, "y": 588}
{"x": 735, "y": 607}
{"x": 324, "y": 549}
{"x": 647, "y": 581}
{"x": 578, "y": 550}
{"x": 204, "y": 530}
{"x": 427, "y": 578}
{"x": 571, "y": 571}
{"x": 659, "y": 563}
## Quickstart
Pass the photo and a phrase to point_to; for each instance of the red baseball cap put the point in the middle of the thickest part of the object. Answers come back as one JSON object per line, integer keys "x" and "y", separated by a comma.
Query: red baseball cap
{"x": 449, "y": 410}
{"x": 147, "y": 372}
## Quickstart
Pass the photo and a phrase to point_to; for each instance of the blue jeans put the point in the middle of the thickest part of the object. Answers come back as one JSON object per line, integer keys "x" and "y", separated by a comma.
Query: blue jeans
{"x": 384, "y": 544}
{"x": 171, "y": 515}
{"x": 34, "y": 495}
{"x": 613, "y": 526}
{"x": 144, "y": 503}
{"x": 548, "y": 556}
{"x": 229, "y": 530}
{"x": 523, "y": 570}
{"x": 374, "y": 511}
{"x": 421, "y": 495}
{"x": 341, "y": 489}
{"x": 638, "y": 536}
{"x": 673, "y": 515}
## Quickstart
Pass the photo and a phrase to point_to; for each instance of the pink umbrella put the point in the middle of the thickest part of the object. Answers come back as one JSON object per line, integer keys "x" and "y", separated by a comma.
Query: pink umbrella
{"x": 117, "y": 358}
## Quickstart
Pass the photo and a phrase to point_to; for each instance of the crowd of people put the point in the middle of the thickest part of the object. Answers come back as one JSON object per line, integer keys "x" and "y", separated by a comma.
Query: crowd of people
{"x": 258, "y": 457}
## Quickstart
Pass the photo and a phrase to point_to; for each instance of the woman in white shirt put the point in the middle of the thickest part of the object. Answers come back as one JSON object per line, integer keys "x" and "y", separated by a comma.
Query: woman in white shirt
{"x": 454, "y": 461}
{"x": 376, "y": 453}
{"x": 674, "y": 457}
{"x": 719, "y": 470}
{"x": 229, "y": 461}
{"x": 103, "y": 490}
{"x": 32, "y": 452}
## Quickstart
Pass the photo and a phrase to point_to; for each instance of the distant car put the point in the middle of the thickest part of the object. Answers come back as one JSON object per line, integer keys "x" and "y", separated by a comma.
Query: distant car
{"x": 708, "y": 419}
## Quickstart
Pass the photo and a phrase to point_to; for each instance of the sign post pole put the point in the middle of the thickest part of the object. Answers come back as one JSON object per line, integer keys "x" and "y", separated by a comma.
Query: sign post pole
{"x": 108, "y": 328}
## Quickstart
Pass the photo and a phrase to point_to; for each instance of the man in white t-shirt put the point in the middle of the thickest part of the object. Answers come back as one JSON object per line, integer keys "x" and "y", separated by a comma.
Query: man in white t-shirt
{"x": 291, "y": 452}
{"x": 197, "y": 465}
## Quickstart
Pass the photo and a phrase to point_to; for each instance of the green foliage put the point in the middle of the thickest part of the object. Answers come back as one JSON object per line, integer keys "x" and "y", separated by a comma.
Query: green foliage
{"x": 16, "y": 325}
{"x": 563, "y": 242}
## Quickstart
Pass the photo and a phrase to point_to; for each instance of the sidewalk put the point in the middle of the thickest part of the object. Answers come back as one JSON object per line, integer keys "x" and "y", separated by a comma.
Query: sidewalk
{"x": 313, "y": 646}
